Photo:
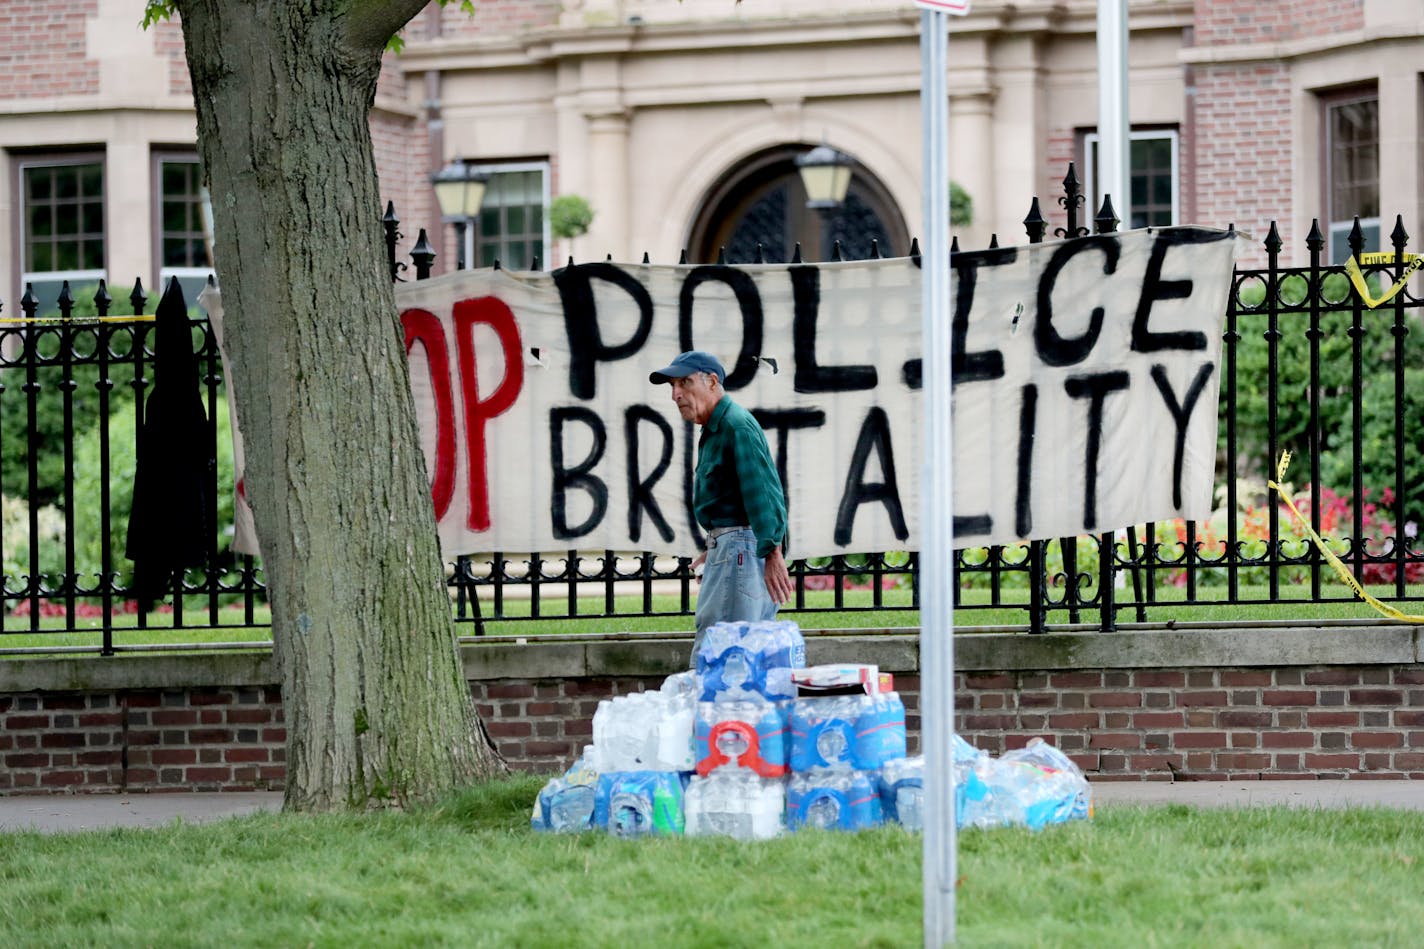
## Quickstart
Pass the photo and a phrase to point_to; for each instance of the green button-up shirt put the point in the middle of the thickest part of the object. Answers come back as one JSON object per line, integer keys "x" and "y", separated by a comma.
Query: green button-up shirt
{"x": 736, "y": 482}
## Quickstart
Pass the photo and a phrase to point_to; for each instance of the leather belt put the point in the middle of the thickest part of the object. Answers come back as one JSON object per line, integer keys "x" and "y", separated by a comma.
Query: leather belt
{"x": 716, "y": 532}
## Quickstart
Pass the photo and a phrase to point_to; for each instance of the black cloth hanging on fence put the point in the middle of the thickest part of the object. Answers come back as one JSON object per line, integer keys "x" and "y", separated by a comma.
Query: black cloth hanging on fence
{"x": 171, "y": 521}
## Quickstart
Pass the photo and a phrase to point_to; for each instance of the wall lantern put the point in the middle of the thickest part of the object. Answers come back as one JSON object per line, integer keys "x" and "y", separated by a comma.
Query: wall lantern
{"x": 826, "y": 174}
{"x": 459, "y": 190}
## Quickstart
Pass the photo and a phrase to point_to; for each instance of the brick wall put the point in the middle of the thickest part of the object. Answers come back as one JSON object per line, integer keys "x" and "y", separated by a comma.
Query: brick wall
{"x": 491, "y": 19}
{"x": 168, "y": 43}
{"x": 201, "y": 739}
{"x": 1228, "y": 22}
{"x": 1242, "y": 134}
{"x": 45, "y": 49}
{"x": 1359, "y": 721}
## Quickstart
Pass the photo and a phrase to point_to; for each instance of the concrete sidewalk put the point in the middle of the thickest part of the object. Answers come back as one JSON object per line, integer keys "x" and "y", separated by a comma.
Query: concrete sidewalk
{"x": 81, "y": 812}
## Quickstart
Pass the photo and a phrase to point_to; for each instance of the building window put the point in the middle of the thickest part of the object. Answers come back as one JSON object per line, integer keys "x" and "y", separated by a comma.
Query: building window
{"x": 62, "y": 210}
{"x": 183, "y": 230}
{"x": 762, "y": 204}
{"x": 513, "y": 227}
{"x": 1352, "y": 172}
{"x": 1153, "y": 155}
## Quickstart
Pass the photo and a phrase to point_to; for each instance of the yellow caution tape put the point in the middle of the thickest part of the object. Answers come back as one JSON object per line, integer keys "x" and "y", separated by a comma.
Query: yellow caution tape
{"x": 1344, "y": 572}
{"x": 1352, "y": 267}
{"x": 78, "y": 320}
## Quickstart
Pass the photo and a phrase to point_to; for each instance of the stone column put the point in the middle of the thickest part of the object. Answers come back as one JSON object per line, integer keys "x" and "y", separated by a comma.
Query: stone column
{"x": 609, "y": 175}
{"x": 972, "y": 164}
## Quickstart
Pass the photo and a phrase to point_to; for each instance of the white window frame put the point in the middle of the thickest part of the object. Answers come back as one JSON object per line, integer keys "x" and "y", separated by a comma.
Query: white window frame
{"x": 496, "y": 167}
{"x": 1090, "y": 189}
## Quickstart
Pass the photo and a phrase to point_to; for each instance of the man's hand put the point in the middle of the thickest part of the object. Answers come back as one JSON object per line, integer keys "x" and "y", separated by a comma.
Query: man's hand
{"x": 778, "y": 580}
{"x": 697, "y": 563}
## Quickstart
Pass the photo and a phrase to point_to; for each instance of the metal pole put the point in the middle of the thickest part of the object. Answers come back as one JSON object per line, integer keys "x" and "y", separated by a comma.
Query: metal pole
{"x": 1114, "y": 132}
{"x": 936, "y": 479}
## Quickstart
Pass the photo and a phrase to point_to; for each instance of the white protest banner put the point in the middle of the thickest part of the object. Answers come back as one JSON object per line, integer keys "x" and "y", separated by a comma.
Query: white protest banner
{"x": 1085, "y": 398}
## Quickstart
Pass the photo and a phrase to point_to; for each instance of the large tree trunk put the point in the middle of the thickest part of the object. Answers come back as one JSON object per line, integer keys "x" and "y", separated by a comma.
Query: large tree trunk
{"x": 377, "y": 706}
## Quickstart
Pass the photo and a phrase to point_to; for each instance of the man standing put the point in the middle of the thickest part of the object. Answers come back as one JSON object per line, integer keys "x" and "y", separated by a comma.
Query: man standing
{"x": 737, "y": 499}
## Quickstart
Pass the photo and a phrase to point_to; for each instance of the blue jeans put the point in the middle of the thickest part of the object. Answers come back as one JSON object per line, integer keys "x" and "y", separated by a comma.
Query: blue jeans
{"x": 733, "y": 584}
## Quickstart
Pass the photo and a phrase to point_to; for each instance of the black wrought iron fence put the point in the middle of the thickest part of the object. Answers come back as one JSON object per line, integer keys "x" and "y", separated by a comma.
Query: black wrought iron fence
{"x": 1308, "y": 364}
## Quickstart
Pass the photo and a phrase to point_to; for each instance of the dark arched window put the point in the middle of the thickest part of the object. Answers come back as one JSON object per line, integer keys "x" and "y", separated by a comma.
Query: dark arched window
{"x": 762, "y": 201}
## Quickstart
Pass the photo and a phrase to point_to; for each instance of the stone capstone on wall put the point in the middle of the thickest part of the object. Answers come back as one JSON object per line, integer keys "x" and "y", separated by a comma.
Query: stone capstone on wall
{"x": 1338, "y": 701}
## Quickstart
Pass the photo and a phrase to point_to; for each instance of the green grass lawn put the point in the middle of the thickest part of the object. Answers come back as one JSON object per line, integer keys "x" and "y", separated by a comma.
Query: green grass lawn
{"x": 471, "y": 873}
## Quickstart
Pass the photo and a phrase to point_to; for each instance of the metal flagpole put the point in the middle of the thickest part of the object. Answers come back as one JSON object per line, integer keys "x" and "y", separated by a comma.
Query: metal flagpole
{"x": 1114, "y": 133}
{"x": 936, "y": 577}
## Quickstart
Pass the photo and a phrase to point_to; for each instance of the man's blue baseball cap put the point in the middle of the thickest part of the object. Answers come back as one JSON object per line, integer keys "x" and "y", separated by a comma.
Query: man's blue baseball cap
{"x": 686, "y": 364}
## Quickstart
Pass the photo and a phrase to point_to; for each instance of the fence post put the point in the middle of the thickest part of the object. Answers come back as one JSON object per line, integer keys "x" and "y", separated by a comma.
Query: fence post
{"x": 391, "y": 223}
{"x": 1106, "y": 223}
{"x": 1229, "y": 342}
{"x": 1315, "y": 241}
{"x": 1357, "y": 411}
{"x": 67, "y": 386}
{"x": 28, "y": 305}
{"x": 1035, "y": 225}
{"x": 1273, "y": 336}
{"x": 1400, "y": 238}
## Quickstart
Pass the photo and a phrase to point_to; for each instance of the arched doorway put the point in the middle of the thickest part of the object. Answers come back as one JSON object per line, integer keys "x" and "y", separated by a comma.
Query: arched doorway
{"x": 762, "y": 201}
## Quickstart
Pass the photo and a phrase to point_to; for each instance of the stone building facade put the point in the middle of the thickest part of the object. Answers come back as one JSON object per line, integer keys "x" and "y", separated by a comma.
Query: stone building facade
{"x": 679, "y": 121}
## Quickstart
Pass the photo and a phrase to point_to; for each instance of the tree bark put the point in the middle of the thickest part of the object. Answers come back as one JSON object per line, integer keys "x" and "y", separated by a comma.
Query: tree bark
{"x": 377, "y": 705}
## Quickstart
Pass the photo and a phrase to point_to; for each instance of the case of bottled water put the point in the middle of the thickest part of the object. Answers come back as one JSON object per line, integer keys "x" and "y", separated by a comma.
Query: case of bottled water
{"x": 640, "y": 803}
{"x": 646, "y": 731}
{"x": 748, "y": 733}
{"x": 857, "y": 731}
{"x": 902, "y": 791}
{"x": 742, "y": 660}
{"x": 565, "y": 804}
{"x": 736, "y": 803}
{"x": 833, "y": 798}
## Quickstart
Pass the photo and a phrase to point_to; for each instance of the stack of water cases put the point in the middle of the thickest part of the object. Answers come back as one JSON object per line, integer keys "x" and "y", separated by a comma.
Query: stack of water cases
{"x": 742, "y": 755}
{"x": 632, "y": 780}
{"x": 844, "y": 732}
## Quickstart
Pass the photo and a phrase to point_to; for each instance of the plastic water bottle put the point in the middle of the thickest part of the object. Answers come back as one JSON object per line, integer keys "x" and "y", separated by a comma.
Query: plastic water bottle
{"x": 640, "y": 803}
{"x": 902, "y": 790}
{"x": 738, "y": 804}
{"x": 747, "y": 734}
{"x": 833, "y": 799}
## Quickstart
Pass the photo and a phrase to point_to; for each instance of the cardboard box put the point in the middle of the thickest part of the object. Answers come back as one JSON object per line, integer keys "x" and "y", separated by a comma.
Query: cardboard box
{"x": 841, "y": 680}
